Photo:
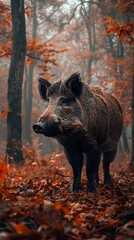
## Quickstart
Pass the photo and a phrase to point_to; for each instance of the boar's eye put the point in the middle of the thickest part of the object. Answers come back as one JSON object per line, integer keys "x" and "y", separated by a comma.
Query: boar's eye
{"x": 65, "y": 102}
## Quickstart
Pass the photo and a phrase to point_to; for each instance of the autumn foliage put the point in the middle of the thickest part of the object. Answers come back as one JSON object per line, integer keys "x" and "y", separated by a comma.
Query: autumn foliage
{"x": 36, "y": 202}
{"x": 123, "y": 30}
{"x": 40, "y": 53}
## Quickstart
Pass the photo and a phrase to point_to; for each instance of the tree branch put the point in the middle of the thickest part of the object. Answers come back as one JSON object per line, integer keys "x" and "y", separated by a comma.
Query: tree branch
{"x": 35, "y": 57}
{"x": 81, "y": 3}
{"x": 5, "y": 54}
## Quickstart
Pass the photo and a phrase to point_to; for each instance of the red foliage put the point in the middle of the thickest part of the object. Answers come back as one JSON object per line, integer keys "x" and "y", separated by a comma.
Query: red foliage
{"x": 125, "y": 6}
{"x": 124, "y": 31}
{"x": 46, "y": 53}
{"x": 4, "y": 113}
{"x": 3, "y": 171}
{"x": 42, "y": 53}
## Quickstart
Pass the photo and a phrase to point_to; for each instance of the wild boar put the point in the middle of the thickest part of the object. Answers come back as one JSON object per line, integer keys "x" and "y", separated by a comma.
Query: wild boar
{"x": 86, "y": 121}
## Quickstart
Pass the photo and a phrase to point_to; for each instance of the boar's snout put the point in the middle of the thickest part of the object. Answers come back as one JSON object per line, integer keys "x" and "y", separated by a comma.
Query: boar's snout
{"x": 38, "y": 128}
{"x": 49, "y": 127}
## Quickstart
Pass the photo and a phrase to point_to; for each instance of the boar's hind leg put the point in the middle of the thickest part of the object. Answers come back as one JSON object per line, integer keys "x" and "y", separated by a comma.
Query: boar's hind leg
{"x": 97, "y": 175}
{"x": 108, "y": 158}
{"x": 93, "y": 160}
{"x": 76, "y": 161}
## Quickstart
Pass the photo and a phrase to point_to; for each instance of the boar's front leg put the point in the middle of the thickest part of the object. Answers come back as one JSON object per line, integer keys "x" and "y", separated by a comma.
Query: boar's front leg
{"x": 75, "y": 158}
{"x": 93, "y": 160}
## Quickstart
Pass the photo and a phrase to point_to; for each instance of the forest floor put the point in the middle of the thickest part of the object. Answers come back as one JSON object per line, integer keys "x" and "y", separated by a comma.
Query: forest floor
{"x": 36, "y": 202}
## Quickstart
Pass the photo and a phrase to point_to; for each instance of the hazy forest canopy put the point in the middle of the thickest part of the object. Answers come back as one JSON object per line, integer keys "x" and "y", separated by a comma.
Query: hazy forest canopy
{"x": 53, "y": 39}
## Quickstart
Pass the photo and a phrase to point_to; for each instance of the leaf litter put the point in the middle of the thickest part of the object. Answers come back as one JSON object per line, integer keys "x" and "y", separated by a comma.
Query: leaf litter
{"x": 36, "y": 202}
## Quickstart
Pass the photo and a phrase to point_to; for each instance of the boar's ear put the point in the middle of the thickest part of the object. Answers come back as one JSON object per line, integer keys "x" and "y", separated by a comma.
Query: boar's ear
{"x": 43, "y": 86}
{"x": 74, "y": 83}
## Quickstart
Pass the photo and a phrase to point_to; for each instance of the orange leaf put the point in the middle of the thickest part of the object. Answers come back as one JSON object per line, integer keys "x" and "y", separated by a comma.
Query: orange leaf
{"x": 112, "y": 223}
{"x": 58, "y": 206}
{"x": 1, "y": 53}
{"x": 78, "y": 221}
{"x": 8, "y": 17}
{"x": 46, "y": 77}
{"x": 4, "y": 113}
{"x": 34, "y": 41}
{"x": 3, "y": 171}
{"x": 38, "y": 199}
{"x": 7, "y": 56}
{"x": 29, "y": 61}
{"x": 55, "y": 182}
{"x": 21, "y": 229}
{"x": 101, "y": 215}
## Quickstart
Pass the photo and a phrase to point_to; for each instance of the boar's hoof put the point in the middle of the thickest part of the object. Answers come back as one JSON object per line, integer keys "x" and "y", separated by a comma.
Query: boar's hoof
{"x": 107, "y": 181}
{"x": 76, "y": 189}
{"x": 91, "y": 188}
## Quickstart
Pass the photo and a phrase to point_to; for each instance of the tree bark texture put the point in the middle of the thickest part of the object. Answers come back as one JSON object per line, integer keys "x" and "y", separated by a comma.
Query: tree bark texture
{"x": 15, "y": 79}
{"x": 132, "y": 158}
{"x": 120, "y": 146}
{"x": 29, "y": 94}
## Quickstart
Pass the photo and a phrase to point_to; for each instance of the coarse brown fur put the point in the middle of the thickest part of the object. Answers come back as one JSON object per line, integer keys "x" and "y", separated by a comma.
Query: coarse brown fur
{"x": 104, "y": 121}
{"x": 85, "y": 120}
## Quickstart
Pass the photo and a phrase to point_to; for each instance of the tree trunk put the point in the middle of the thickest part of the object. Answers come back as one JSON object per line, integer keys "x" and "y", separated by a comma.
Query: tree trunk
{"x": 120, "y": 147}
{"x": 125, "y": 141}
{"x": 86, "y": 13}
{"x": 15, "y": 79}
{"x": 28, "y": 106}
{"x": 29, "y": 95}
{"x": 132, "y": 158}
